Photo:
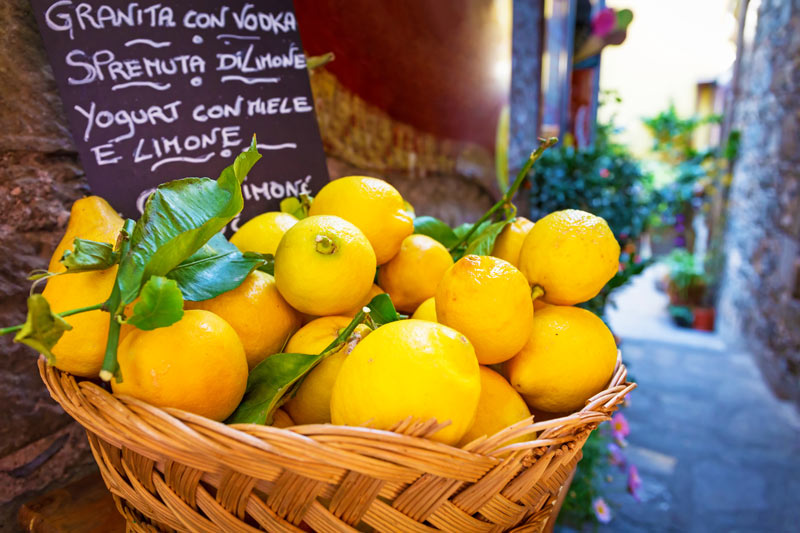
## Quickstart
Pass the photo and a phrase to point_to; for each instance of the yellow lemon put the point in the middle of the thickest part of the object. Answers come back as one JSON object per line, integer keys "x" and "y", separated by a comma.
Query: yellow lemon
{"x": 90, "y": 218}
{"x": 569, "y": 358}
{"x": 324, "y": 265}
{"x": 412, "y": 275}
{"x": 570, "y": 254}
{"x": 499, "y": 407}
{"x": 426, "y": 310}
{"x": 509, "y": 243}
{"x": 409, "y": 368}
{"x": 197, "y": 364}
{"x": 312, "y": 403}
{"x": 282, "y": 420}
{"x": 488, "y": 300}
{"x": 263, "y": 233}
{"x": 373, "y": 292}
{"x": 373, "y": 205}
{"x": 259, "y": 314}
{"x": 80, "y": 351}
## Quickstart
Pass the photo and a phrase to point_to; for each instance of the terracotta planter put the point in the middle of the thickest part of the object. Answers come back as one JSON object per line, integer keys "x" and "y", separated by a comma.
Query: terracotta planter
{"x": 703, "y": 318}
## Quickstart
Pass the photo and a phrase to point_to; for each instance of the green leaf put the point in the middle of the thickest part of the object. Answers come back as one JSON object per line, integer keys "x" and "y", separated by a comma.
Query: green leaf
{"x": 160, "y": 304}
{"x": 382, "y": 310}
{"x": 297, "y": 207}
{"x": 462, "y": 229}
{"x": 276, "y": 376}
{"x": 267, "y": 383}
{"x": 436, "y": 229}
{"x": 89, "y": 255}
{"x": 178, "y": 219}
{"x": 215, "y": 268}
{"x": 42, "y": 328}
{"x": 482, "y": 242}
{"x": 268, "y": 259}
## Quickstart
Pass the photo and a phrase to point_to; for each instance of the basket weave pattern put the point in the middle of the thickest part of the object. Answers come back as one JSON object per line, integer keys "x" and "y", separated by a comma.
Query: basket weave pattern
{"x": 171, "y": 470}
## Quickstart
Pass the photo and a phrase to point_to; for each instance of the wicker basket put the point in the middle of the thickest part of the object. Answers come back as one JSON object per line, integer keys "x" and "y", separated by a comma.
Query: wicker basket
{"x": 171, "y": 470}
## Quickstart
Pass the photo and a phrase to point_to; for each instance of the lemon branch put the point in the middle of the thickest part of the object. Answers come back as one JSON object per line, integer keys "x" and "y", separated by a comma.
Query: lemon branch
{"x": 115, "y": 307}
{"x": 12, "y": 329}
{"x": 509, "y": 194}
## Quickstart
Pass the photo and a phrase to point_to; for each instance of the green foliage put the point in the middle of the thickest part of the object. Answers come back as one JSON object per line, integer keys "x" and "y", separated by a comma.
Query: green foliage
{"x": 604, "y": 179}
{"x": 382, "y": 310}
{"x": 483, "y": 242}
{"x": 89, "y": 255}
{"x": 178, "y": 219}
{"x": 435, "y": 229}
{"x": 685, "y": 271}
{"x": 217, "y": 267}
{"x": 577, "y": 509}
{"x": 673, "y": 135}
{"x": 160, "y": 304}
{"x": 42, "y": 328}
{"x": 297, "y": 207}
{"x": 271, "y": 382}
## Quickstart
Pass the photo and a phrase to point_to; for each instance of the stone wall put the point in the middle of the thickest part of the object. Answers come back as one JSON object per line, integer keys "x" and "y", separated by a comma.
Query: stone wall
{"x": 760, "y": 299}
{"x": 39, "y": 179}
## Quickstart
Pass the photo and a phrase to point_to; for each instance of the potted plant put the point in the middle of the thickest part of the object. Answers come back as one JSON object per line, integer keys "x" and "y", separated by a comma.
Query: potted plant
{"x": 687, "y": 287}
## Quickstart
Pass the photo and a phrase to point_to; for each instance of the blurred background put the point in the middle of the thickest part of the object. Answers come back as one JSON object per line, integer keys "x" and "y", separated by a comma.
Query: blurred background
{"x": 678, "y": 123}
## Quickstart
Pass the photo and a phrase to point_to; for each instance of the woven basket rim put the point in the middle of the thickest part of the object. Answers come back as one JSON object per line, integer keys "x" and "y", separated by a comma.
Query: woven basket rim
{"x": 174, "y": 469}
{"x": 94, "y": 407}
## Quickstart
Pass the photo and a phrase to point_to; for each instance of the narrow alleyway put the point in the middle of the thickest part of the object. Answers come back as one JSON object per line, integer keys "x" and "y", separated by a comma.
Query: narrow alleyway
{"x": 717, "y": 452}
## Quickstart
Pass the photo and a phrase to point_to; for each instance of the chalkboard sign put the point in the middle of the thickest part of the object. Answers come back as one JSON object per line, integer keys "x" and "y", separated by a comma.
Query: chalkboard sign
{"x": 161, "y": 90}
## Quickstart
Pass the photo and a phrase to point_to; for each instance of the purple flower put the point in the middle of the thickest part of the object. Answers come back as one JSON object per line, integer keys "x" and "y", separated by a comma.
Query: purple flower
{"x": 680, "y": 241}
{"x": 604, "y": 173}
{"x": 619, "y": 427}
{"x": 634, "y": 482}
{"x": 680, "y": 217}
{"x": 615, "y": 456}
{"x": 601, "y": 510}
{"x": 604, "y": 22}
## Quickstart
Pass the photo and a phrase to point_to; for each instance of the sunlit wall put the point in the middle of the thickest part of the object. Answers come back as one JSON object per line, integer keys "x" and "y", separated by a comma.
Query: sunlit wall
{"x": 671, "y": 46}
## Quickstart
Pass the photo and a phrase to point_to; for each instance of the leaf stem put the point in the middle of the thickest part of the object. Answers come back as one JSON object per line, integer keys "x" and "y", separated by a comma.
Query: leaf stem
{"x": 537, "y": 292}
{"x": 360, "y": 317}
{"x": 12, "y": 329}
{"x": 509, "y": 194}
{"x": 114, "y": 304}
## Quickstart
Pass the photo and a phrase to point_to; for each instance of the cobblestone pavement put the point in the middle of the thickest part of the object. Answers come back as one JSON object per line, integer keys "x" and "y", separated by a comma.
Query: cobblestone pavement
{"x": 716, "y": 451}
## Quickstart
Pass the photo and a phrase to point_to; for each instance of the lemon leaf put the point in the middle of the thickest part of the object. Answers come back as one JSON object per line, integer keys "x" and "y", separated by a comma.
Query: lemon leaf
{"x": 217, "y": 267}
{"x": 382, "y": 310}
{"x": 268, "y": 265}
{"x": 435, "y": 229}
{"x": 160, "y": 304}
{"x": 272, "y": 381}
{"x": 297, "y": 206}
{"x": 178, "y": 219}
{"x": 267, "y": 385}
{"x": 483, "y": 242}
{"x": 42, "y": 328}
{"x": 89, "y": 255}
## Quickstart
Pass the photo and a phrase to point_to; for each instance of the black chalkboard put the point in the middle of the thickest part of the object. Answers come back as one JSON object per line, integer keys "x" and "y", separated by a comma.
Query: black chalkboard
{"x": 161, "y": 90}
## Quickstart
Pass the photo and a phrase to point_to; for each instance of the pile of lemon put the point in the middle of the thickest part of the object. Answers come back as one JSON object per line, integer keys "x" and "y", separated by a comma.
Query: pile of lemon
{"x": 489, "y": 338}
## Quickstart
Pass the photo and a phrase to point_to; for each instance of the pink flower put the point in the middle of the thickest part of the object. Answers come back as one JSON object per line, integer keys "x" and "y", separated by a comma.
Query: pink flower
{"x": 604, "y": 173}
{"x": 619, "y": 427}
{"x": 615, "y": 456}
{"x": 601, "y": 511}
{"x": 634, "y": 482}
{"x": 604, "y": 22}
